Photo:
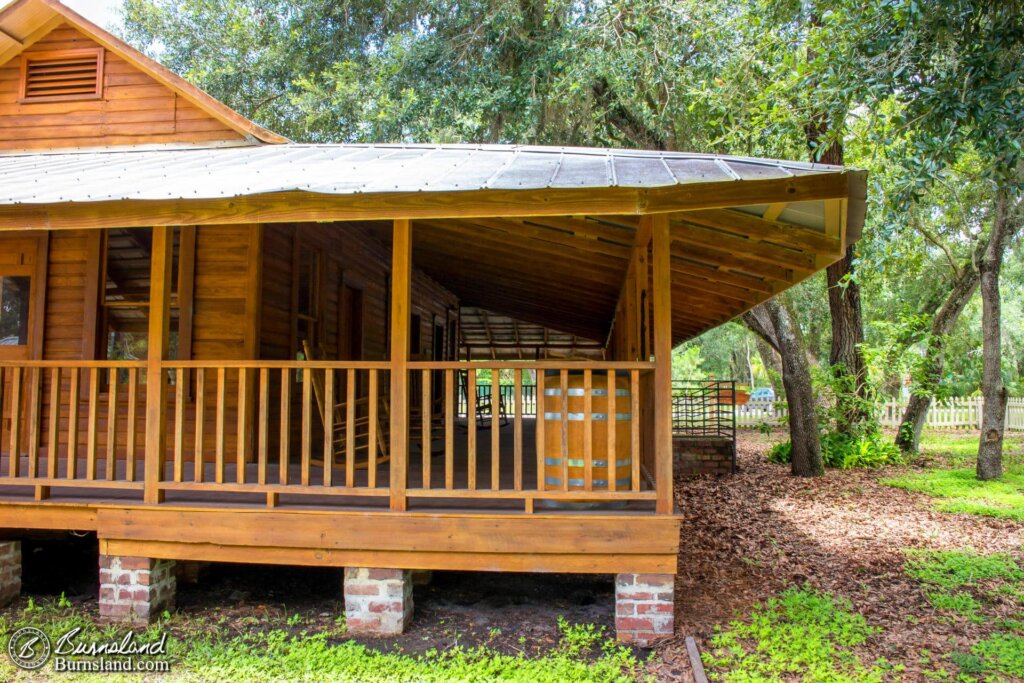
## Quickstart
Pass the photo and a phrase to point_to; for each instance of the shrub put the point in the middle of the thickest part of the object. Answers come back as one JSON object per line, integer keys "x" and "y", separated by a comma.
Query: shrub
{"x": 844, "y": 451}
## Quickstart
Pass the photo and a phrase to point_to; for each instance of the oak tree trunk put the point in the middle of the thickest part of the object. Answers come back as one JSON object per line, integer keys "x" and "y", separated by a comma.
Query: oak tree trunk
{"x": 993, "y": 413}
{"x": 908, "y": 437}
{"x": 796, "y": 378}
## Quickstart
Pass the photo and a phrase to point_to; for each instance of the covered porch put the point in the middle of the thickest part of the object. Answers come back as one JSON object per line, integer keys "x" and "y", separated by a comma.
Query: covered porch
{"x": 305, "y": 395}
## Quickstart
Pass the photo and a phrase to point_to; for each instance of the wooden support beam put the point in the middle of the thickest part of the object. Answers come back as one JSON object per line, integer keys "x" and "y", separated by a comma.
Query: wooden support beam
{"x": 774, "y": 211}
{"x": 288, "y": 207}
{"x": 156, "y": 378}
{"x": 401, "y": 304}
{"x": 762, "y": 229}
{"x": 661, "y": 239}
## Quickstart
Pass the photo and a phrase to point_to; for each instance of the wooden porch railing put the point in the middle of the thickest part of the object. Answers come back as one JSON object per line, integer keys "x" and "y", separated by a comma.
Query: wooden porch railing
{"x": 549, "y": 380}
{"x": 71, "y": 424}
{"x": 323, "y": 428}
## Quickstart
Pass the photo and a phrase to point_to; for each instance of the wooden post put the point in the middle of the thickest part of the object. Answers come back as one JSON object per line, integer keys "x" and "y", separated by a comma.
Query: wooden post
{"x": 156, "y": 379}
{"x": 662, "y": 323}
{"x": 401, "y": 303}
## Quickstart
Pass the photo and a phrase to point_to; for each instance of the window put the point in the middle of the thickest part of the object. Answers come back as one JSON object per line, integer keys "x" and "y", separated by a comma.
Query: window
{"x": 125, "y": 300}
{"x": 15, "y": 298}
{"x": 309, "y": 309}
{"x": 415, "y": 339}
{"x": 62, "y": 75}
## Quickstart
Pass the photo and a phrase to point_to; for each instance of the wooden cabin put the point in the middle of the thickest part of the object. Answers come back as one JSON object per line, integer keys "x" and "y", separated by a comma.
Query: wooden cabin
{"x": 218, "y": 345}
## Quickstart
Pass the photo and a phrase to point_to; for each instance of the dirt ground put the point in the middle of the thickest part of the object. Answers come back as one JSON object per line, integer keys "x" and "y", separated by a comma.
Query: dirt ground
{"x": 749, "y": 536}
{"x": 745, "y": 538}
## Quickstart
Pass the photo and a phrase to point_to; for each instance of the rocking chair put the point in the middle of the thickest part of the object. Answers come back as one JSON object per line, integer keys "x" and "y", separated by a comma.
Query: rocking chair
{"x": 361, "y": 426}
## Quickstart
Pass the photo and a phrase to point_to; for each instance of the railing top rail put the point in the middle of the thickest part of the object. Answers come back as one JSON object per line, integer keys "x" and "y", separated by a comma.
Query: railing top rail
{"x": 277, "y": 364}
{"x": 84, "y": 364}
{"x": 531, "y": 365}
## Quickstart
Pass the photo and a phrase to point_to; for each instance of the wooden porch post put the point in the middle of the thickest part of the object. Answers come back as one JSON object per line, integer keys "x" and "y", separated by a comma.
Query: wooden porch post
{"x": 662, "y": 323}
{"x": 156, "y": 378}
{"x": 401, "y": 303}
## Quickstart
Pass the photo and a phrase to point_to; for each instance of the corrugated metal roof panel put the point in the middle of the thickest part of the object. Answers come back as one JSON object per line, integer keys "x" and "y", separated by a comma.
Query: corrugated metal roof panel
{"x": 210, "y": 173}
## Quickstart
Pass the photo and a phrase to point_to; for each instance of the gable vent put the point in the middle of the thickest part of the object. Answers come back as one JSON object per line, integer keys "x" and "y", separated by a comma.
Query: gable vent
{"x": 63, "y": 75}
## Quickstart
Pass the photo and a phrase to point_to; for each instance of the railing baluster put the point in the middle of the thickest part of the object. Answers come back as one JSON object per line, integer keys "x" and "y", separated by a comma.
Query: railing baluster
{"x": 73, "y": 406}
{"x": 328, "y": 427}
{"x": 425, "y": 410}
{"x": 471, "y": 425}
{"x": 4, "y": 375}
{"x": 284, "y": 453}
{"x": 14, "y": 462}
{"x": 634, "y": 410}
{"x": 495, "y": 429}
{"x": 450, "y": 409}
{"x": 242, "y": 419}
{"x": 350, "y": 428}
{"x": 564, "y": 383}
{"x": 613, "y": 421}
{"x": 541, "y": 420}
{"x": 133, "y": 406}
{"x": 588, "y": 431}
{"x": 198, "y": 459}
{"x": 219, "y": 426}
{"x": 371, "y": 442}
{"x": 34, "y": 408}
{"x": 111, "y": 472}
{"x": 264, "y": 427}
{"x": 517, "y": 433}
{"x": 92, "y": 427}
{"x": 53, "y": 435}
{"x": 307, "y": 425}
{"x": 179, "y": 425}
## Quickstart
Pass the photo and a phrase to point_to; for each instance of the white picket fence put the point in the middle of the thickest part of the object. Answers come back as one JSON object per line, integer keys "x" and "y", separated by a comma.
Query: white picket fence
{"x": 956, "y": 413}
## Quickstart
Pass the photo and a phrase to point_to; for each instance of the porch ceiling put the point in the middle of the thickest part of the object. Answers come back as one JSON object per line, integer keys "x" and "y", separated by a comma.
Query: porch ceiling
{"x": 567, "y": 272}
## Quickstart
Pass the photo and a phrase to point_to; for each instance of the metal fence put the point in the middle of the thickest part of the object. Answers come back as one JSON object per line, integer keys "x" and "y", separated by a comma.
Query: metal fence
{"x": 483, "y": 391}
{"x": 704, "y": 408}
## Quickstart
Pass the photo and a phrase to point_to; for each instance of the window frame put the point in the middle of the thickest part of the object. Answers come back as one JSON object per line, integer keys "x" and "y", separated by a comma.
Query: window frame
{"x": 36, "y": 272}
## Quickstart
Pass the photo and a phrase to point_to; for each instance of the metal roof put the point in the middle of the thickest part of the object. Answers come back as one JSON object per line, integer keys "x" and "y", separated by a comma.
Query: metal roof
{"x": 223, "y": 172}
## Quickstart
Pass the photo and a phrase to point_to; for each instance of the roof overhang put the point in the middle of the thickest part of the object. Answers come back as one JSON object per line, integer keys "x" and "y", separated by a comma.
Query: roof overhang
{"x": 543, "y": 235}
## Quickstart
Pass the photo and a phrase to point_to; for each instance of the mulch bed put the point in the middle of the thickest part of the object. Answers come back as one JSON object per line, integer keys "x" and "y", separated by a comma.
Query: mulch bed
{"x": 749, "y": 536}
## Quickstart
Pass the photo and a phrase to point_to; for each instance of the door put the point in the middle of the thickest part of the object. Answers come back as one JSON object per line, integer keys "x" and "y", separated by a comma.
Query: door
{"x": 22, "y": 292}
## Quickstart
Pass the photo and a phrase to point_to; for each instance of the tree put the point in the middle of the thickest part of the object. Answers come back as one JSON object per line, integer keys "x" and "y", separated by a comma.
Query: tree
{"x": 774, "y": 322}
{"x": 954, "y": 68}
{"x": 993, "y": 417}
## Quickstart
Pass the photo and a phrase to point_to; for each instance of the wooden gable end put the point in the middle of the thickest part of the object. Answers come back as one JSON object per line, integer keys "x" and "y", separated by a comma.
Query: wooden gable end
{"x": 132, "y": 108}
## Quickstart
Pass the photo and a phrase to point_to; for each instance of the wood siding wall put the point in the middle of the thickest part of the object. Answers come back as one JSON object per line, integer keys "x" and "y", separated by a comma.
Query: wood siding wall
{"x": 224, "y": 325}
{"x": 134, "y": 109}
{"x": 357, "y": 259}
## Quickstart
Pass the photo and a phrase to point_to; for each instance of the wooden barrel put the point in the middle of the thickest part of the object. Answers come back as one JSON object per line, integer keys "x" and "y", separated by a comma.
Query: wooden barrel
{"x": 572, "y": 445}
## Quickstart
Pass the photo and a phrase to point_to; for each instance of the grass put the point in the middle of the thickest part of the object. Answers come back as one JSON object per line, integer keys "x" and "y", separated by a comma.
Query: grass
{"x": 996, "y": 658}
{"x": 963, "y": 583}
{"x": 800, "y": 635}
{"x": 584, "y": 653}
{"x": 960, "y": 491}
{"x": 958, "y": 449}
